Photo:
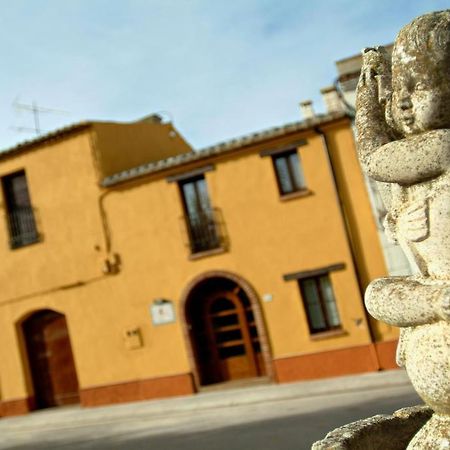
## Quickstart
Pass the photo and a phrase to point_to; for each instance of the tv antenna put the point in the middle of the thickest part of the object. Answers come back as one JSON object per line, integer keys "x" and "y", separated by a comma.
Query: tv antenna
{"x": 36, "y": 110}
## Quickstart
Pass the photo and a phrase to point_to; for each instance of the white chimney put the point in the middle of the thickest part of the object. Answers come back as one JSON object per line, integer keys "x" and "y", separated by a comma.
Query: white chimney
{"x": 332, "y": 101}
{"x": 307, "y": 109}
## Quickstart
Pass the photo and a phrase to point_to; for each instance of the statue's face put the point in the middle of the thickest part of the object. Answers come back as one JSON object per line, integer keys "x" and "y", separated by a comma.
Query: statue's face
{"x": 421, "y": 93}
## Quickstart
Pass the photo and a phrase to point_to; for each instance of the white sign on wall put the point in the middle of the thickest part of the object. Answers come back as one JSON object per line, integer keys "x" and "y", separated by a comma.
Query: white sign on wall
{"x": 162, "y": 312}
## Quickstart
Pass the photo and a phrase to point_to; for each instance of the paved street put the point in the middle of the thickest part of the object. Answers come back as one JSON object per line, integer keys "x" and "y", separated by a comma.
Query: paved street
{"x": 277, "y": 418}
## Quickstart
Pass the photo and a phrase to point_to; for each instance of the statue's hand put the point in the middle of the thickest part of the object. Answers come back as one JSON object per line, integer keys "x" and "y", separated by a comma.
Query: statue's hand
{"x": 371, "y": 127}
{"x": 367, "y": 80}
{"x": 445, "y": 304}
{"x": 413, "y": 223}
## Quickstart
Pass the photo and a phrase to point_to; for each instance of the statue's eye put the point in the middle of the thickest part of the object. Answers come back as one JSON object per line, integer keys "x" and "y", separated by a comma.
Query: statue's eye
{"x": 420, "y": 86}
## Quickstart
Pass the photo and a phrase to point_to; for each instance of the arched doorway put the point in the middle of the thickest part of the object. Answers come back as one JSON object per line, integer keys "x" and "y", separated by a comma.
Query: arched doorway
{"x": 50, "y": 359}
{"x": 224, "y": 333}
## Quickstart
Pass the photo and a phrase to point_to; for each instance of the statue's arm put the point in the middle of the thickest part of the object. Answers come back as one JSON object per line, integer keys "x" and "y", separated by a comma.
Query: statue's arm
{"x": 411, "y": 160}
{"x": 372, "y": 130}
{"x": 404, "y": 302}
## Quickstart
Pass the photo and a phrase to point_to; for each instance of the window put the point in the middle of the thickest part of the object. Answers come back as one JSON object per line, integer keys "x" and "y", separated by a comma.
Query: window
{"x": 19, "y": 212}
{"x": 320, "y": 304}
{"x": 199, "y": 216}
{"x": 288, "y": 171}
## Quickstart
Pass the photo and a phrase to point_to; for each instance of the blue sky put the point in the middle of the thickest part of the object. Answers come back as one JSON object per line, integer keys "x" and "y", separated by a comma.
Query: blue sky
{"x": 216, "y": 69}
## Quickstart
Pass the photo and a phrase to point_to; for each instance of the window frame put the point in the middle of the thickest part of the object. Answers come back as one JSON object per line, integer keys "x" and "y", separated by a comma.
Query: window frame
{"x": 298, "y": 185}
{"x": 213, "y": 242}
{"x": 325, "y": 317}
{"x": 17, "y": 237}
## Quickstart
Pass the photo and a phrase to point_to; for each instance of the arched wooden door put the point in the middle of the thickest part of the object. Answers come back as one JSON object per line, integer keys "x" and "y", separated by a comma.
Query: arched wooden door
{"x": 228, "y": 335}
{"x": 50, "y": 359}
{"x": 224, "y": 336}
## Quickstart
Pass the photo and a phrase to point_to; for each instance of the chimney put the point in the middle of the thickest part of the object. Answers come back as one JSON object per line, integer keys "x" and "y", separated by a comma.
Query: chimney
{"x": 152, "y": 118}
{"x": 307, "y": 109}
{"x": 332, "y": 100}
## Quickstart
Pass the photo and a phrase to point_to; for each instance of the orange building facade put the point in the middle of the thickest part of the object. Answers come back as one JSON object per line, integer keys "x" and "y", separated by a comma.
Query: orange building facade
{"x": 135, "y": 268}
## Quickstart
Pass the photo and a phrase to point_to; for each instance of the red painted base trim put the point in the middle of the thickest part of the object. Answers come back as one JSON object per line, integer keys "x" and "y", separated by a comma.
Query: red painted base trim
{"x": 368, "y": 358}
{"x": 16, "y": 407}
{"x": 326, "y": 364}
{"x": 133, "y": 391}
{"x": 386, "y": 354}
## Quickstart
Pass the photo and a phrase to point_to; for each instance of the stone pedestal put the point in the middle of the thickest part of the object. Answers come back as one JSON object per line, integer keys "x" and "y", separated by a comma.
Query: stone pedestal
{"x": 380, "y": 432}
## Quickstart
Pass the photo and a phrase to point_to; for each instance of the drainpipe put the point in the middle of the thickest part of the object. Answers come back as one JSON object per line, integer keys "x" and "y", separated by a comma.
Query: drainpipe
{"x": 112, "y": 261}
{"x": 347, "y": 227}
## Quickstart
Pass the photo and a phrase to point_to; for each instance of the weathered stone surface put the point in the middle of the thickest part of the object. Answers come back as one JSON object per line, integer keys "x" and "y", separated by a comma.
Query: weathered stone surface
{"x": 382, "y": 432}
{"x": 403, "y": 127}
{"x": 403, "y": 123}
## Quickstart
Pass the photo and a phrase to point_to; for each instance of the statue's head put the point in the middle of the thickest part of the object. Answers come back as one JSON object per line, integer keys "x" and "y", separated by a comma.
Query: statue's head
{"x": 421, "y": 75}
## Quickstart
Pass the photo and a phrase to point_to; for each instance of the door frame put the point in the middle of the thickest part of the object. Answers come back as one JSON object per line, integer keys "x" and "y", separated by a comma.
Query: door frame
{"x": 257, "y": 312}
{"x": 26, "y": 363}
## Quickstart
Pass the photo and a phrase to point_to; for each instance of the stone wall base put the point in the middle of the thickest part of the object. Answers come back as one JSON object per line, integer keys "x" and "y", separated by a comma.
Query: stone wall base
{"x": 16, "y": 407}
{"x": 346, "y": 361}
{"x": 386, "y": 354}
{"x": 367, "y": 358}
{"x": 133, "y": 391}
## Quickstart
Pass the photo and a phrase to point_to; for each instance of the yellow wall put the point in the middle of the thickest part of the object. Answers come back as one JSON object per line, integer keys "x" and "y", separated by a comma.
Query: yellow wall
{"x": 63, "y": 271}
{"x": 358, "y": 215}
{"x": 268, "y": 238}
{"x": 61, "y": 182}
{"x": 357, "y": 207}
{"x": 64, "y": 196}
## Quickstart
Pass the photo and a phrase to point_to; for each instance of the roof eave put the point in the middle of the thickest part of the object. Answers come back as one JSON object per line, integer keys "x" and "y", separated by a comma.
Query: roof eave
{"x": 221, "y": 148}
{"x": 56, "y": 134}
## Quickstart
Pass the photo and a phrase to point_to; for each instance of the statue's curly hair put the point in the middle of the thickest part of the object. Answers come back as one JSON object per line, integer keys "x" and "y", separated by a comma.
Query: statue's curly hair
{"x": 427, "y": 33}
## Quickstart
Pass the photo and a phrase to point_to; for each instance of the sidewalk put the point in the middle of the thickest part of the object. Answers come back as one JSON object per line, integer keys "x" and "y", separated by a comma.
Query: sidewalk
{"x": 75, "y": 416}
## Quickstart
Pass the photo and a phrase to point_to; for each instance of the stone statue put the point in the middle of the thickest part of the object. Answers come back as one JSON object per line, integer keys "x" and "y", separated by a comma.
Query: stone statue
{"x": 403, "y": 127}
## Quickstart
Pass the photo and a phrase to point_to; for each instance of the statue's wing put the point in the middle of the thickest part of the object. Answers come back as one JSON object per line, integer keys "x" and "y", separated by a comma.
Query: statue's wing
{"x": 415, "y": 224}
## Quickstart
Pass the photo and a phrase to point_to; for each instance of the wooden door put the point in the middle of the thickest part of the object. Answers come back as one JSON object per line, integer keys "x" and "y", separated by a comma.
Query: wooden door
{"x": 51, "y": 360}
{"x": 229, "y": 338}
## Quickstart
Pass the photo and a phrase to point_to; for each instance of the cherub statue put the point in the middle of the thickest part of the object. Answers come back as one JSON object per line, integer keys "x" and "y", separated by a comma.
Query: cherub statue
{"x": 403, "y": 126}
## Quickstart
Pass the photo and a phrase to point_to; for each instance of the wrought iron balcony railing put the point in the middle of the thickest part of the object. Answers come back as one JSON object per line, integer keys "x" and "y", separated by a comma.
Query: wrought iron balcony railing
{"x": 22, "y": 227}
{"x": 204, "y": 230}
